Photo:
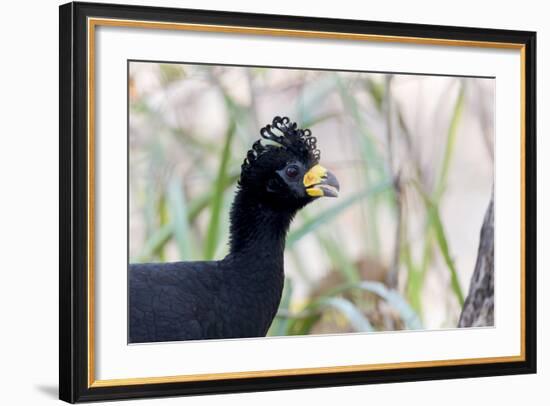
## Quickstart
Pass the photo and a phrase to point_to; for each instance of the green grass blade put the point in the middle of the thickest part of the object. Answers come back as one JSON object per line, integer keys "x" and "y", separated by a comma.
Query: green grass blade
{"x": 414, "y": 281}
{"x": 330, "y": 214}
{"x": 444, "y": 247}
{"x": 178, "y": 215}
{"x": 450, "y": 145}
{"x": 339, "y": 258}
{"x": 198, "y": 204}
{"x": 366, "y": 139}
{"x": 212, "y": 234}
{"x": 318, "y": 119}
{"x": 302, "y": 325}
{"x": 280, "y": 325}
{"x": 374, "y": 171}
{"x": 394, "y": 299}
{"x": 377, "y": 91}
{"x": 162, "y": 235}
{"x": 358, "y": 321}
{"x": 440, "y": 236}
{"x": 299, "y": 265}
{"x": 328, "y": 241}
{"x": 437, "y": 195}
{"x": 162, "y": 211}
{"x": 158, "y": 239}
{"x": 311, "y": 97}
{"x": 223, "y": 247}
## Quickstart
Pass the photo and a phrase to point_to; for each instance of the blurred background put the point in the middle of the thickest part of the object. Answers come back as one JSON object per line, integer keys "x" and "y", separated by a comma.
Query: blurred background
{"x": 413, "y": 154}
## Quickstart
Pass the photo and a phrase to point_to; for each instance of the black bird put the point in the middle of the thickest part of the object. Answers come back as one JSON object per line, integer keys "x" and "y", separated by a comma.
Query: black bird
{"x": 237, "y": 296}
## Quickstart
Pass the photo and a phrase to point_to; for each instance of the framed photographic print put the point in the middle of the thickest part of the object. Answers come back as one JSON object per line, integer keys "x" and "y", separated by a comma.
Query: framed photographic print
{"x": 257, "y": 202}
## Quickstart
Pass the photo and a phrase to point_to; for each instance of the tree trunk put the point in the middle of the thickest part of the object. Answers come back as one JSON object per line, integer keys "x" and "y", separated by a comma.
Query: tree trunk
{"x": 478, "y": 308}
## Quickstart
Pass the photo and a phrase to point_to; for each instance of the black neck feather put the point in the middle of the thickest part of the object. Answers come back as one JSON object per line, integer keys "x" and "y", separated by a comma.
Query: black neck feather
{"x": 255, "y": 263}
{"x": 257, "y": 228}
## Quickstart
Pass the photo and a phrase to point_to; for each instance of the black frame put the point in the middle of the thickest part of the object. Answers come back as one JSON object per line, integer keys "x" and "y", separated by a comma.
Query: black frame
{"x": 73, "y": 195}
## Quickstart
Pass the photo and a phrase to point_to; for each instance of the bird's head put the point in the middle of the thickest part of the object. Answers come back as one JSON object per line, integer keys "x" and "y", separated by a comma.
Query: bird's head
{"x": 282, "y": 169}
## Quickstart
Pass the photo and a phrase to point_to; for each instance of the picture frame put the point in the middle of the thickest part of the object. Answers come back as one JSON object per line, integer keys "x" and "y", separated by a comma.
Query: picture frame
{"x": 79, "y": 23}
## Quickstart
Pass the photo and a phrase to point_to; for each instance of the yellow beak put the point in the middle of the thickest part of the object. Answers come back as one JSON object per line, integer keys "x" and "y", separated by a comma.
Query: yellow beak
{"x": 320, "y": 182}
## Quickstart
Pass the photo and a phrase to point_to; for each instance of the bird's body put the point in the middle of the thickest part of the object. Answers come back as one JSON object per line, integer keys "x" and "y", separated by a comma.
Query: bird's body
{"x": 202, "y": 300}
{"x": 237, "y": 296}
{"x": 233, "y": 298}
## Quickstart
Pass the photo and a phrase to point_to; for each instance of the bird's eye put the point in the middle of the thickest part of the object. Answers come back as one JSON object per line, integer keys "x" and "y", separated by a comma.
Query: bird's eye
{"x": 292, "y": 171}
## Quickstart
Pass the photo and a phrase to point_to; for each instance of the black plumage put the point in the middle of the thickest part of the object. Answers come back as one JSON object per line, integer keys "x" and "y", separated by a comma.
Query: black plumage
{"x": 237, "y": 296}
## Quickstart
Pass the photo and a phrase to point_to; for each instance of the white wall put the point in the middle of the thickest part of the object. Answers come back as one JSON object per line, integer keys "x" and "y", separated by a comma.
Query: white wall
{"x": 28, "y": 203}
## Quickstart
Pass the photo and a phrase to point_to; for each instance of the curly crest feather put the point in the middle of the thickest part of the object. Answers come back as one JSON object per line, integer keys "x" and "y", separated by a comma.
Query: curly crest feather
{"x": 285, "y": 134}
